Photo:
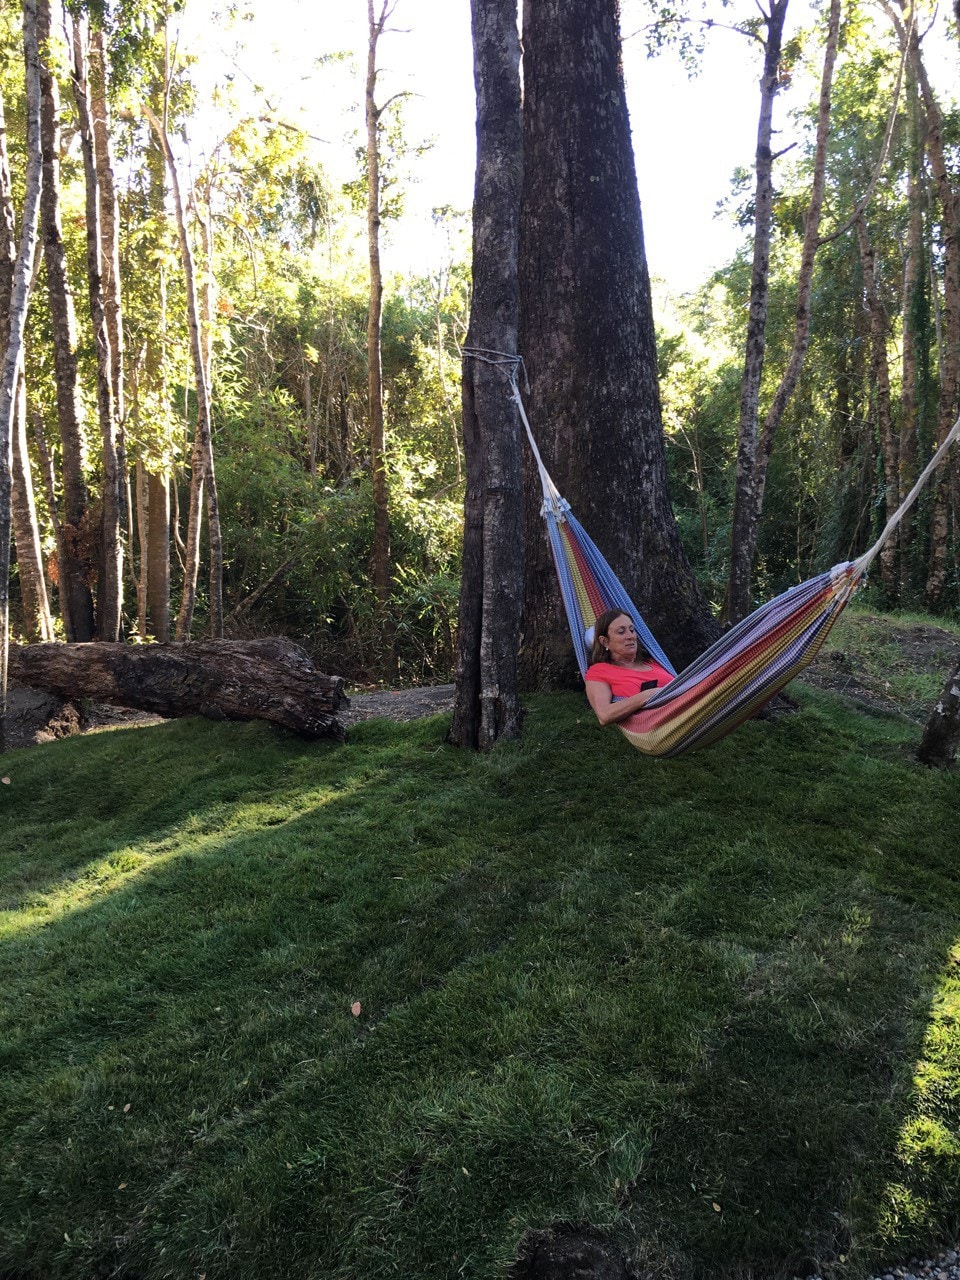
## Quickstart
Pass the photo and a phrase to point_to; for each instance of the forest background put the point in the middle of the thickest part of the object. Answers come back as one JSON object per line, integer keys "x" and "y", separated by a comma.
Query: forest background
{"x": 112, "y": 470}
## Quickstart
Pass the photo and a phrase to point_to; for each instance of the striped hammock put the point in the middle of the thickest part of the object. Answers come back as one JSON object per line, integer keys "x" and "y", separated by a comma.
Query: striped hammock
{"x": 744, "y": 668}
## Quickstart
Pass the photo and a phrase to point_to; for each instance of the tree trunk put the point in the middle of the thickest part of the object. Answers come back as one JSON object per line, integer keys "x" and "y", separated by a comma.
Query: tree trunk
{"x": 950, "y": 351}
{"x": 914, "y": 277}
{"x": 487, "y": 705}
{"x": 587, "y": 336}
{"x": 880, "y": 376}
{"x": 157, "y": 557}
{"x": 155, "y": 546}
{"x": 270, "y": 680}
{"x": 202, "y": 457}
{"x": 76, "y": 562}
{"x": 23, "y": 271}
{"x": 380, "y": 558}
{"x": 748, "y": 503}
{"x": 941, "y": 737}
{"x": 208, "y": 293}
{"x": 38, "y": 623}
{"x": 738, "y": 601}
{"x": 33, "y": 587}
{"x": 109, "y": 209}
{"x": 110, "y": 584}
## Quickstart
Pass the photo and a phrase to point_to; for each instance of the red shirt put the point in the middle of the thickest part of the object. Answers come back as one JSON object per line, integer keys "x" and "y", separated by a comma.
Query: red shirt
{"x": 625, "y": 682}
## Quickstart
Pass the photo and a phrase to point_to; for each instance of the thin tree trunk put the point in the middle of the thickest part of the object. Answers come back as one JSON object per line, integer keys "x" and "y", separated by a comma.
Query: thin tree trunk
{"x": 157, "y": 556}
{"x": 380, "y": 558}
{"x": 748, "y": 506}
{"x": 155, "y": 545}
{"x": 23, "y": 272}
{"x": 38, "y": 623}
{"x": 110, "y": 585}
{"x": 737, "y": 604}
{"x": 949, "y": 401}
{"x": 880, "y": 377}
{"x": 110, "y": 267}
{"x": 913, "y": 295}
{"x": 487, "y": 706}
{"x": 33, "y": 587}
{"x": 76, "y": 562}
{"x": 587, "y": 335}
{"x": 202, "y": 458}
{"x": 208, "y": 296}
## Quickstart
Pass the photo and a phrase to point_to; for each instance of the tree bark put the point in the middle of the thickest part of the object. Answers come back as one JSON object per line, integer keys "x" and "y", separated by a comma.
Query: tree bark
{"x": 914, "y": 277}
{"x": 748, "y": 500}
{"x": 941, "y": 737}
{"x": 949, "y": 400}
{"x": 880, "y": 375}
{"x": 587, "y": 336}
{"x": 110, "y": 583}
{"x": 23, "y": 272}
{"x": 76, "y": 563}
{"x": 270, "y": 680}
{"x": 33, "y": 587}
{"x": 487, "y": 705}
{"x": 38, "y": 624}
{"x": 157, "y": 556}
{"x": 380, "y": 558}
{"x": 202, "y": 458}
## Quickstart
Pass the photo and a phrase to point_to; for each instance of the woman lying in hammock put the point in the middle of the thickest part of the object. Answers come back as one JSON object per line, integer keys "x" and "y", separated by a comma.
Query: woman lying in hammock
{"x": 620, "y": 668}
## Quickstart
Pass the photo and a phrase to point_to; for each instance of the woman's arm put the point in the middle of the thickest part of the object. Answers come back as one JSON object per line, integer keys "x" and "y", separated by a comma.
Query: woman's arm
{"x": 600, "y": 697}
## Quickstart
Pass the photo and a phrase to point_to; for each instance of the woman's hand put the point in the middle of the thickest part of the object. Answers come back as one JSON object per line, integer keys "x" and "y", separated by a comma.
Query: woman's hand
{"x": 600, "y": 697}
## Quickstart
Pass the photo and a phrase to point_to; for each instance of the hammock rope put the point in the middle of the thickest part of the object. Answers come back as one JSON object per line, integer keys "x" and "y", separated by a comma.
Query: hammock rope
{"x": 741, "y": 670}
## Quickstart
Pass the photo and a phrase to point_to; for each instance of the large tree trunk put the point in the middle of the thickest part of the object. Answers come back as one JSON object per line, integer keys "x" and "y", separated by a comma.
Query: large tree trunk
{"x": 76, "y": 563}
{"x": 202, "y": 458}
{"x": 380, "y": 558}
{"x": 880, "y": 377}
{"x": 748, "y": 502}
{"x": 110, "y": 584}
{"x": 23, "y": 272}
{"x": 487, "y": 705}
{"x": 587, "y": 335}
{"x": 941, "y": 737}
{"x": 270, "y": 680}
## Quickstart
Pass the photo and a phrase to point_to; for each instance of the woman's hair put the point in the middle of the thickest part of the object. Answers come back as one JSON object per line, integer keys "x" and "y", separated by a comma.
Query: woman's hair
{"x": 601, "y": 629}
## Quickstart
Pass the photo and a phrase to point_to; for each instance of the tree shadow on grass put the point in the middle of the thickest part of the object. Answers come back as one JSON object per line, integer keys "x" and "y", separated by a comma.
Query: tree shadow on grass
{"x": 680, "y": 1002}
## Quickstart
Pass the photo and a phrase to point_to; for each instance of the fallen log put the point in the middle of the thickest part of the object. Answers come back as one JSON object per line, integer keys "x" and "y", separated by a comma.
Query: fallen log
{"x": 270, "y": 680}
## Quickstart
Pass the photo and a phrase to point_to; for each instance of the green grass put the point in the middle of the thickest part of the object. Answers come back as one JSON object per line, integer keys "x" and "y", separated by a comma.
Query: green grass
{"x": 710, "y": 1005}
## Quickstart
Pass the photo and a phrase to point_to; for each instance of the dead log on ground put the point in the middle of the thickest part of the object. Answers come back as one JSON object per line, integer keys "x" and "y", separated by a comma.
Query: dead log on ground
{"x": 270, "y": 680}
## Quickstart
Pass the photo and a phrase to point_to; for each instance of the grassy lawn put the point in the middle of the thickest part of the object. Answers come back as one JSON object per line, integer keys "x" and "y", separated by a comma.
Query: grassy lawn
{"x": 710, "y": 1005}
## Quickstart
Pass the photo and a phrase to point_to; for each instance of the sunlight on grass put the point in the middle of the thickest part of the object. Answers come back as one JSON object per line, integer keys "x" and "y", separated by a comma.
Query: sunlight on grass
{"x": 198, "y": 835}
{"x": 928, "y": 1147}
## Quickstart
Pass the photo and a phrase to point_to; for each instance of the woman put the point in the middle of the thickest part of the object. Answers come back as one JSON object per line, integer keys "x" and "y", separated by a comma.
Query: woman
{"x": 620, "y": 668}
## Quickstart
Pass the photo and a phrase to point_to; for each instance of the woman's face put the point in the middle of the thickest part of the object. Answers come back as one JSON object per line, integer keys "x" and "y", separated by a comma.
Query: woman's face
{"x": 621, "y": 639}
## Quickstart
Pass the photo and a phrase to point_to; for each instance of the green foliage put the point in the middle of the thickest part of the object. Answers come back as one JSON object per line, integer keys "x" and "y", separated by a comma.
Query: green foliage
{"x": 720, "y": 1018}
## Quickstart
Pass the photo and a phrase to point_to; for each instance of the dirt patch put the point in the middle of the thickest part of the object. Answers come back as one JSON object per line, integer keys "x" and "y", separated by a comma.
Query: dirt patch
{"x": 897, "y": 670}
{"x": 34, "y": 716}
{"x": 400, "y": 704}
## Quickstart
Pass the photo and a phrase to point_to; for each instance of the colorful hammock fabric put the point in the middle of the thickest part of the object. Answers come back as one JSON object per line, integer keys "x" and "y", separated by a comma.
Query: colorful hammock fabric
{"x": 744, "y": 668}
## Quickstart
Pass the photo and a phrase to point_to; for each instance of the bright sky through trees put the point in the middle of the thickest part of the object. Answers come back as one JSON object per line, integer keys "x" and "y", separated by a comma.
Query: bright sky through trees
{"x": 689, "y": 134}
